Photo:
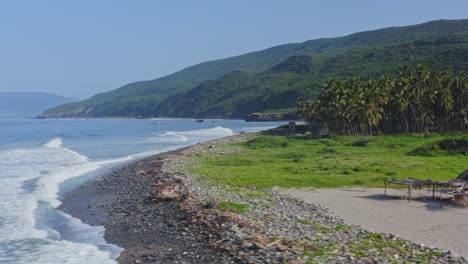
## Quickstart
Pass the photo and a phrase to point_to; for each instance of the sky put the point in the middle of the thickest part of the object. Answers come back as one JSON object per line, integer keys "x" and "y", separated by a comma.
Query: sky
{"x": 81, "y": 48}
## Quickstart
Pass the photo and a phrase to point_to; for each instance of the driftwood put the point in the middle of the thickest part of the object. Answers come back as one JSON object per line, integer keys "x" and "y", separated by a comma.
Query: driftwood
{"x": 167, "y": 190}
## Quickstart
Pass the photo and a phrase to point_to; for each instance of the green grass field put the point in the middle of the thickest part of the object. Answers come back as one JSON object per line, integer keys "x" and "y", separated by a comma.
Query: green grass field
{"x": 267, "y": 161}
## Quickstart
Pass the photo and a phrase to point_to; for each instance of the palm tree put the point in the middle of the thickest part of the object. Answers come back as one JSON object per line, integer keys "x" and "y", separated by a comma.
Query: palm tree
{"x": 403, "y": 94}
{"x": 373, "y": 103}
{"x": 460, "y": 97}
{"x": 416, "y": 97}
{"x": 441, "y": 83}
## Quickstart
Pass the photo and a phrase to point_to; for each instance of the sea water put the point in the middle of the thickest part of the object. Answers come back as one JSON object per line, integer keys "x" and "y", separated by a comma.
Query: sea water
{"x": 41, "y": 160}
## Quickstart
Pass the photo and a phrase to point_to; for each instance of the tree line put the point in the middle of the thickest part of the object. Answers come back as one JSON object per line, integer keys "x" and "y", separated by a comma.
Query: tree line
{"x": 415, "y": 100}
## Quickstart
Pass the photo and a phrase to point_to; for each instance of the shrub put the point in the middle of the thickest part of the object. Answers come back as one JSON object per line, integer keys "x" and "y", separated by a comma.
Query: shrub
{"x": 357, "y": 182}
{"x": 267, "y": 142}
{"x": 442, "y": 147}
{"x": 360, "y": 168}
{"x": 327, "y": 151}
{"x": 329, "y": 142}
{"x": 395, "y": 145}
{"x": 292, "y": 155}
{"x": 361, "y": 143}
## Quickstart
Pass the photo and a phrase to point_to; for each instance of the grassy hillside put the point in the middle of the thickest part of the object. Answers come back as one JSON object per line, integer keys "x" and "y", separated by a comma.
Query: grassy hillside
{"x": 240, "y": 93}
{"x": 267, "y": 161}
{"x": 143, "y": 98}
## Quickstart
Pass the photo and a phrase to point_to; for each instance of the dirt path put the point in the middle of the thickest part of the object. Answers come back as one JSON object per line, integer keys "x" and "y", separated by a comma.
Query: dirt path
{"x": 423, "y": 221}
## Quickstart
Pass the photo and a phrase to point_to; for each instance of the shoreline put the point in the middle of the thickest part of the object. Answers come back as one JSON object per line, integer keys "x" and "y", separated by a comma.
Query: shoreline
{"x": 159, "y": 215}
{"x": 246, "y": 119}
{"x": 133, "y": 118}
{"x": 149, "y": 232}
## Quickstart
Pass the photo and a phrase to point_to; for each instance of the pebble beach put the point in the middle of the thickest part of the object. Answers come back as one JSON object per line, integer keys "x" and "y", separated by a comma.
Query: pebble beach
{"x": 158, "y": 214}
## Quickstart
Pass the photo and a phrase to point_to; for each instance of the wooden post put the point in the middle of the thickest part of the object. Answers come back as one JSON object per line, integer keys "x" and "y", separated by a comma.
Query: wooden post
{"x": 291, "y": 128}
{"x": 459, "y": 199}
{"x": 433, "y": 190}
{"x": 385, "y": 191}
{"x": 409, "y": 193}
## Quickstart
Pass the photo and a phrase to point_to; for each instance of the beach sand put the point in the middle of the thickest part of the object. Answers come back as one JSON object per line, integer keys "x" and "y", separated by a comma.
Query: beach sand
{"x": 423, "y": 221}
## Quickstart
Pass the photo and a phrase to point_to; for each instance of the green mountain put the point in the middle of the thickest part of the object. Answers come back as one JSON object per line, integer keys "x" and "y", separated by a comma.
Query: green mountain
{"x": 273, "y": 78}
{"x": 237, "y": 94}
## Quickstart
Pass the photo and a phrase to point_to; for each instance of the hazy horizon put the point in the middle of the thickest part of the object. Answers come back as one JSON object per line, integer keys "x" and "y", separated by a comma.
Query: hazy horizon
{"x": 84, "y": 48}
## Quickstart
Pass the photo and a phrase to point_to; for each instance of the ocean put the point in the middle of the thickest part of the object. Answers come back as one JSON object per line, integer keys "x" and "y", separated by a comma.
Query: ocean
{"x": 42, "y": 159}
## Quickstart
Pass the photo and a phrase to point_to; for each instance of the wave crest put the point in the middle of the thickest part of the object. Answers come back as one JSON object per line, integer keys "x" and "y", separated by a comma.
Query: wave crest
{"x": 53, "y": 143}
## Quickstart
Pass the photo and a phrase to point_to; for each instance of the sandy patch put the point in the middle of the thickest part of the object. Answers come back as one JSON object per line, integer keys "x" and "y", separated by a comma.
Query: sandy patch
{"x": 423, "y": 221}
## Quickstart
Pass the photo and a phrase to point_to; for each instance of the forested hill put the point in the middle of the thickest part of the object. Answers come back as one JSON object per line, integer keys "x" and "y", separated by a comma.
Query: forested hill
{"x": 238, "y": 94}
{"x": 273, "y": 78}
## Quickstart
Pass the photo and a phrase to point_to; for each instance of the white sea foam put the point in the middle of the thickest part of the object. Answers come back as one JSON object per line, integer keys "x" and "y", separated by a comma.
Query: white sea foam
{"x": 218, "y": 131}
{"x": 203, "y": 134}
{"x": 183, "y": 138}
{"x": 31, "y": 229}
{"x": 30, "y": 180}
{"x": 256, "y": 129}
{"x": 175, "y": 136}
{"x": 53, "y": 143}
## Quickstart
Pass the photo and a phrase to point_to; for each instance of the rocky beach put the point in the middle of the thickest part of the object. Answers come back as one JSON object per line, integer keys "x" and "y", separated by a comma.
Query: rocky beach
{"x": 160, "y": 213}
{"x": 150, "y": 230}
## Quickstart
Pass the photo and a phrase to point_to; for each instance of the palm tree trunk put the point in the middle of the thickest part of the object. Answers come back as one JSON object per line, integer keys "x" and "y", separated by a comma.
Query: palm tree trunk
{"x": 415, "y": 119}
{"x": 406, "y": 123}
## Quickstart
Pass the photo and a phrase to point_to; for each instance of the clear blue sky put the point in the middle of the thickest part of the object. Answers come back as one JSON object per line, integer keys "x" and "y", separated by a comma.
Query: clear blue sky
{"x": 80, "y": 48}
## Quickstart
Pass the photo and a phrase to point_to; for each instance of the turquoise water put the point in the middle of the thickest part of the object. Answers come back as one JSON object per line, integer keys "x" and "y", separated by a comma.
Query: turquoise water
{"x": 42, "y": 159}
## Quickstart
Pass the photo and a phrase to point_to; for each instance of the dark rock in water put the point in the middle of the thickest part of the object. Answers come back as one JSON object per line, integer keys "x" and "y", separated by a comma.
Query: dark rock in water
{"x": 200, "y": 121}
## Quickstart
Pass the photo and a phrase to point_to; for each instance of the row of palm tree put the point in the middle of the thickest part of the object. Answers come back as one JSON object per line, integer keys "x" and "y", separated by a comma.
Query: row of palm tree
{"x": 416, "y": 100}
